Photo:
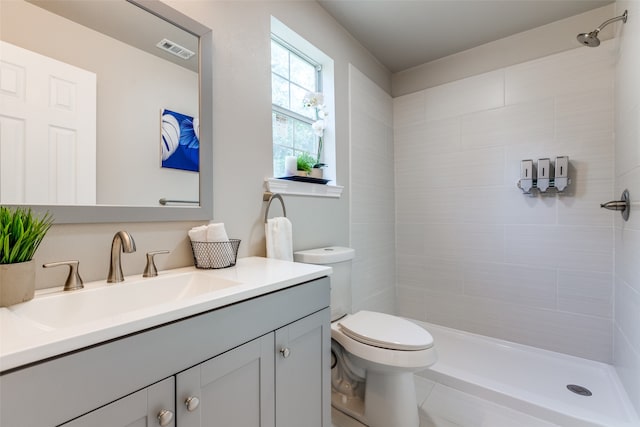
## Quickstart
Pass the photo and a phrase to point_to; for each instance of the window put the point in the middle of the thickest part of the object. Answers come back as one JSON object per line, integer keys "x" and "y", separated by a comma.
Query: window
{"x": 293, "y": 75}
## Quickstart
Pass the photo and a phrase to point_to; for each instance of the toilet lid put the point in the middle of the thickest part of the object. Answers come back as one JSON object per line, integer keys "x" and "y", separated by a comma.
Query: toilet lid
{"x": 385, "y": 331}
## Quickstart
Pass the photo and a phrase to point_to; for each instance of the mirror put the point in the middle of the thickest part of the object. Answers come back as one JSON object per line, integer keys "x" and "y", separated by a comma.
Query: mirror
{"x": 133, "y": 78}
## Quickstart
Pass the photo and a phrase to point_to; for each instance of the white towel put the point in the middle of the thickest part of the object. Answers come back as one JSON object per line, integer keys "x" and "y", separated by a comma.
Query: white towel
{"x": 216, "y": 233}
{"x": 224, "y": 257}
{"x": 218, "y": 257}
{"x": 198, "y": 234}
{"x": 279, "y": 238}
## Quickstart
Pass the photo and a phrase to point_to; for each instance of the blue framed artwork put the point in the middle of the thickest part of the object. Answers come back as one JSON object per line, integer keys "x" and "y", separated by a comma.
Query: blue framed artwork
{"x": 179, "y": 142}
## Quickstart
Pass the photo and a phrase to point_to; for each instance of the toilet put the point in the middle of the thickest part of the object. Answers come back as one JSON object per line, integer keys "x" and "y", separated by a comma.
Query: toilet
{"x": 373, "y": 355}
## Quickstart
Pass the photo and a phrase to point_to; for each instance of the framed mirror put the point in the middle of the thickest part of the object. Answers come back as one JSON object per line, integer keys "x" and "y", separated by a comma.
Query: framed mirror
{"x": 123, "y": 131}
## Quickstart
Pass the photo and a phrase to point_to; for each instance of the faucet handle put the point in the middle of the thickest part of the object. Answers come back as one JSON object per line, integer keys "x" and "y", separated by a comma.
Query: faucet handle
{"x": 74, "y": 281}
{"x": 150, "y": 269}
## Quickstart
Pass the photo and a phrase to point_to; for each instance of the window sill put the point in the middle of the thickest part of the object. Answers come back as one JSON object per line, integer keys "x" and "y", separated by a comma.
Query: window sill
{"x": 294, "y": 188}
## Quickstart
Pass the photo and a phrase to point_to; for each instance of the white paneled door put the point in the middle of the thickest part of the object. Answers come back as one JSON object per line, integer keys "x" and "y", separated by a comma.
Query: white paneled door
{"x": 47, "y": 130}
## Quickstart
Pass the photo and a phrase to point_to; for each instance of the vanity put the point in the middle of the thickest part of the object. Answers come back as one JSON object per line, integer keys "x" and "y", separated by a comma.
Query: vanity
{"x": 242, "y": 346}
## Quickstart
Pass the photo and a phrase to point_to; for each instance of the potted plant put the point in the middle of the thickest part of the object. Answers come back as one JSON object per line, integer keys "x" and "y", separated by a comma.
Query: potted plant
{"x": 305, "y": 163}
{"x": 315, "y": 100}
{"x": 21, "y": 232}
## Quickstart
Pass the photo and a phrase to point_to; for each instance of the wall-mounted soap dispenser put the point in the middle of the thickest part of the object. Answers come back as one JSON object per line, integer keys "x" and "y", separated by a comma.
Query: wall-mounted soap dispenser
{"x": 526, "y": 176}
{"x": 543, "y": 177}
{"x": 544, "y": 174}
{"x": 561, "y": 179}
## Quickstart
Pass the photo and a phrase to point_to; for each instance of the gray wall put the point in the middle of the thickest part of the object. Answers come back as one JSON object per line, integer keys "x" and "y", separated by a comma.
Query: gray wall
{"x": 242, "y": 143}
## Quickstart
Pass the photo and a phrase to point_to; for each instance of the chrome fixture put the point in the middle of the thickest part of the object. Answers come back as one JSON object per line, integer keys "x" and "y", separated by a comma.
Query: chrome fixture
{"x": 74, "y": 281}
{"x": 269, "y": 197}
{"x": 150, "y": 269}
{"x": 122, "y": 242}
{"x": 591, "y": 39}
{"x": 546, "y": 176}
{"x": 623, "y": 205}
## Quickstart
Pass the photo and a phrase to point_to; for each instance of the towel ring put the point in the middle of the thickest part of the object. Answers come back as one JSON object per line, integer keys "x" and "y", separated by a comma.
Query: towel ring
{"x": 271, "y": 197}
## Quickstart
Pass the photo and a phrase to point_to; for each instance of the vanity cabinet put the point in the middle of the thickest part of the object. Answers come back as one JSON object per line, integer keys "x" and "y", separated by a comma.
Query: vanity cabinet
{"x": 143, "y": 408}
{"x": 237, "y": 387}
{"x": 263, "y": 362}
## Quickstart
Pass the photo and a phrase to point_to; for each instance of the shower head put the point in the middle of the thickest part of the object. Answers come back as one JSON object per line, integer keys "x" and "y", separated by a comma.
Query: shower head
{"x": 591, "y": 39}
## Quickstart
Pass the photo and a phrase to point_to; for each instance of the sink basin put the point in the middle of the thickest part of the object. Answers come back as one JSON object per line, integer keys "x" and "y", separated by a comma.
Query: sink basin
{"x": 65, "y": 309}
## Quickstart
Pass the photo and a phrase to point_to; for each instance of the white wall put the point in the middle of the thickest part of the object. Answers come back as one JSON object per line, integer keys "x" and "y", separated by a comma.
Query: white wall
{"x": 627, "y": 175}
{"x": 372, "y": 194}
{"x": 473, "y": 252}
{"x": 242, "y": 143}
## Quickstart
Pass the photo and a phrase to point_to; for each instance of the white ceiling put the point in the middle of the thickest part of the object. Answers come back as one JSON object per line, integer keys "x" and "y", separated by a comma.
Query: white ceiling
{"x": 404, "y": 33}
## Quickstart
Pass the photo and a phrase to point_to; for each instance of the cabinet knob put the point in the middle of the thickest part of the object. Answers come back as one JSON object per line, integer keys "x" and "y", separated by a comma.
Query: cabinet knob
{"x": 192, "y": 403}
{"x": 285, "y": 352}
{"x": 165, "y": 417}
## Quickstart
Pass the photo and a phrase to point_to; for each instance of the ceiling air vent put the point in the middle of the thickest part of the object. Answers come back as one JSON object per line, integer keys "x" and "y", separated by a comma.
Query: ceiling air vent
{"x": 175, "y": 49}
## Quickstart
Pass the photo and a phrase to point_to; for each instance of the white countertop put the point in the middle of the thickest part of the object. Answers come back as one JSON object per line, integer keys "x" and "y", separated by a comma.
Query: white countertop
{"x": 23, "y": 341}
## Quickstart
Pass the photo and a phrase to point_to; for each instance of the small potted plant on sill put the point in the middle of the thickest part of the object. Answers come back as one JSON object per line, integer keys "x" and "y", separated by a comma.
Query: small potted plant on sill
{"x": 21, "y": 232}
{"x": 305, "y": 163}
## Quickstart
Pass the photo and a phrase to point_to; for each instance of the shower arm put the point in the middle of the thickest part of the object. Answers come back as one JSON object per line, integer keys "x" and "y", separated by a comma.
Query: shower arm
{"x": 622, "y": 18}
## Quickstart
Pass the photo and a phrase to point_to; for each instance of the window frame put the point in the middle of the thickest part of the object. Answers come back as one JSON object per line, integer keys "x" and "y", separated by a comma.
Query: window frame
{"x": 287, "y": 112}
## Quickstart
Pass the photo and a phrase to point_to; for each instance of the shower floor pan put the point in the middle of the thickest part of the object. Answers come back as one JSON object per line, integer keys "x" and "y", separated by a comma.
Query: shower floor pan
{"x": 530, "y": 380}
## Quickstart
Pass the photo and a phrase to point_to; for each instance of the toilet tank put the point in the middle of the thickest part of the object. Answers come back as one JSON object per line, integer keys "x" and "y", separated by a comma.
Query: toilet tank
{"x": 339, "y": 259}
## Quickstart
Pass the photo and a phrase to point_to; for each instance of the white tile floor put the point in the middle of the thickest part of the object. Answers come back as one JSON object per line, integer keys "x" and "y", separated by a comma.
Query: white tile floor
{"x": 442, "y": 406}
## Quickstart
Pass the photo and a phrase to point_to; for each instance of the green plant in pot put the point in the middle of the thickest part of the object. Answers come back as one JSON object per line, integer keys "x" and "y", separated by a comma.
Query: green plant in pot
{"x": 21, "y": 232}
{"x": 305, "y": 162}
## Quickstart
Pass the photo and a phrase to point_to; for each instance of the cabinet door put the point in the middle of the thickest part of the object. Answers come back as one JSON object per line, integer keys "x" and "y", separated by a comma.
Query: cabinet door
{"x": 140, "y": 409}
{"x": 233, "y": 389}
{"x": 303, "y": 372}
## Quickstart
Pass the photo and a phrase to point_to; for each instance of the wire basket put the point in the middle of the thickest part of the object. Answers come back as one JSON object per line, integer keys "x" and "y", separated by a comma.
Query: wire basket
{"x": 215, "y": 254}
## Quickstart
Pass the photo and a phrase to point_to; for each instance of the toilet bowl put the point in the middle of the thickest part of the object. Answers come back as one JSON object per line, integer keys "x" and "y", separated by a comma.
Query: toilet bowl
{"x": 374, "y": 355}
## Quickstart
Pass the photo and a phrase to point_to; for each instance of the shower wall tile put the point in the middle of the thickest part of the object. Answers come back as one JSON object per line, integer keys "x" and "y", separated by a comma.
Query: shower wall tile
{"x": 628, "y": 313}
{"x": 582, "y": 114}
{"x": 584, "y": 292}
{"x": 581, "y": 204}
{"x": 464, "y": 242}
{"x": 564, "y": 73}
{"x": 503, "y": 205}
{"x": 425, "y": 138}
{"x": 627, "y": 243}
{"x": 518, "y": 284}
{"x": 481, "y": 92}
{"x": 627, "y": 151}
{"x": 513, "y": 124}
{"x": 552, "y": 330}
{"x": 627, "y": 234}
{"x": 536, "y": 270}
{"x": 410, "y": 302}
{"x": 371, "y": 189}
{"x": 627, "y": 363}
{"x": 571, "y": 247}
{"x": 408, "y": 109}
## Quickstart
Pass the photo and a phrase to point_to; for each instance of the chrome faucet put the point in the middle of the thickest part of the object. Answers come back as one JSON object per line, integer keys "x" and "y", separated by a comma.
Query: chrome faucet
{"x": 122, "y": 242}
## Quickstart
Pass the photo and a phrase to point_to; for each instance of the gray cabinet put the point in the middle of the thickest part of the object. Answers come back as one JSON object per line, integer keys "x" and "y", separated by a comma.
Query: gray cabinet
{"x": 280, "y": 379}
{"x": 144, "y": 408}
{"x": 263, "y": 362}
{"x": 303, "y": 372}
{"x": 233, "y": 389}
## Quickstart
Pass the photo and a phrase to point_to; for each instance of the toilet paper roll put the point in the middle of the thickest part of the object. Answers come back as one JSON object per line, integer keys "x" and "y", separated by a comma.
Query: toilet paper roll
{"x": 290, "y": 165}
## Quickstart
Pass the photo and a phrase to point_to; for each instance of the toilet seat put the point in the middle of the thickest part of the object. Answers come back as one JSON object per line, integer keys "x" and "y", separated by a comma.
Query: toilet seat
{"x": 385, "y": 331}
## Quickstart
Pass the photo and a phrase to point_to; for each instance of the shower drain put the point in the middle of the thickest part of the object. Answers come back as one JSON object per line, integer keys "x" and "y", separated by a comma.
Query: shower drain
{"x": 578, "y": 389}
